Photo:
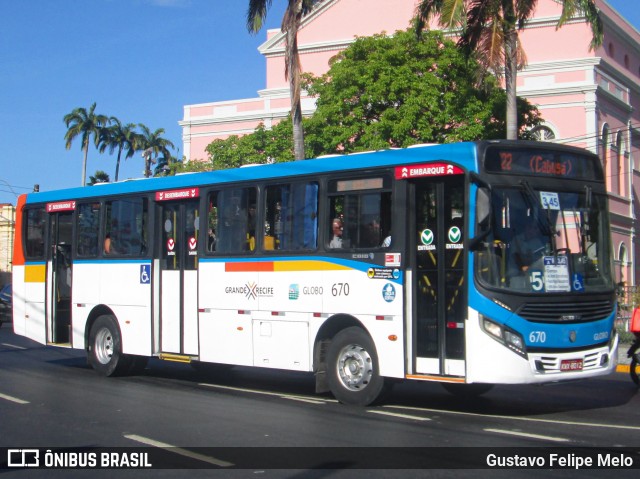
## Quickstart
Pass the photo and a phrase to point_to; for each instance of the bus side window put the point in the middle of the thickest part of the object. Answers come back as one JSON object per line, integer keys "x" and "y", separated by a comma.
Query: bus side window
{"x": 212, "y": 222}
{"x": 88, "y": 229}
{"x": 360, "y": 220}
{"x": 291, "y": 217}
{"x": 236, "y": 232}
{"x": 125, "y": 229}
{"x": 35, "y": 226}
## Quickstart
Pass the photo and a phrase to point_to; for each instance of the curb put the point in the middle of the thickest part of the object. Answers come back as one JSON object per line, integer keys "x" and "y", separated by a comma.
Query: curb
{"x": 623, "y": 368}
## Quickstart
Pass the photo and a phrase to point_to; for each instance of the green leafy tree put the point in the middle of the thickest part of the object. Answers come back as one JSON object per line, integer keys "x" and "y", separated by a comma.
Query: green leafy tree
{"x": 262, "y": 146}
{"x": 397, "y": 91}
{"x": 385, "y": 92}
{"x": 85, "y": 124}
{"x": 99, "y": 177}
{"x": 152, "y": 144}
{"x": 119, "y": 137}
{"x": 296, "y": 9}
{"x": 490, "y": 29}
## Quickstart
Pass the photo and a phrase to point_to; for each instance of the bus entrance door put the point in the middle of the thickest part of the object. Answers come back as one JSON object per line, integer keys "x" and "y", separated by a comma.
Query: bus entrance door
{"x": 59, "y": 280}
{"x": 179, "y": 222}
{"x": 439, "y": 305}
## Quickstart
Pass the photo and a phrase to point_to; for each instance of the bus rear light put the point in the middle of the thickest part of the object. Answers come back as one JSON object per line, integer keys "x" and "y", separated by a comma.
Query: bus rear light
{"x": 379, "y": 318}
{"x": 277, "y": 313}
{"x": 80, "y": 305}
{"x": 317, "y": 315}
{"x": 454, "y": 325}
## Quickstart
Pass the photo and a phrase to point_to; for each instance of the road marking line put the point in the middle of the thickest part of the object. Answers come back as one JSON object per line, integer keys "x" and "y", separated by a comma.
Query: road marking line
{"x": 12, "y": 346}
{"x": 179, "y": 450}
{"x": 395, "y": 414}
{"x": 268, "y": 393}
{"x": 525, "y": 434}
{"x": 515, "y": 418}
{"x": 303, "y": 399}
{"x": 13, "y": 399}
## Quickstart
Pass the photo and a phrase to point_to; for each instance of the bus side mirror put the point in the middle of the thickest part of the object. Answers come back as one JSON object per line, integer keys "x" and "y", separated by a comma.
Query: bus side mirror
{"x": 483, "y": 217}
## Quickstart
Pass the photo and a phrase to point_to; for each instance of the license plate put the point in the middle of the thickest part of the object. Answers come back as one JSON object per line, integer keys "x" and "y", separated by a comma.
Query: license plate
{"x": 571, "y": 365}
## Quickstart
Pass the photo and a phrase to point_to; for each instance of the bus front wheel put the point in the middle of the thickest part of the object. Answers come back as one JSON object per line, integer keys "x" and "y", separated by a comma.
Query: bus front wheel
{"x": 353, "y": 368}
{"x": 105, "y": 347}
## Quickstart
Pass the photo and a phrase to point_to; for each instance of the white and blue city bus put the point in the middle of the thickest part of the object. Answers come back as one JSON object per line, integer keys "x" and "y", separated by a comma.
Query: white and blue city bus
{"x": 469, "y": 264}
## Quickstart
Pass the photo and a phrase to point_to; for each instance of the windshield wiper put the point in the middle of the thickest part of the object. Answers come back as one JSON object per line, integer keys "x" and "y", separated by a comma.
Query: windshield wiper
{"x": 544, "y": 221}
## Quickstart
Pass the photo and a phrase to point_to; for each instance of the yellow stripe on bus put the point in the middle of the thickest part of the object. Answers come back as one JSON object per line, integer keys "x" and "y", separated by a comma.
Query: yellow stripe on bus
{"x": 34, "y": 273}
{"x": 307, "y": 265}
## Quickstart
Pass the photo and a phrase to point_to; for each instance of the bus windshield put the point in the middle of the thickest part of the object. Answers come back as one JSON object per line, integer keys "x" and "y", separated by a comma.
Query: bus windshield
{"x": 545, "y": 241}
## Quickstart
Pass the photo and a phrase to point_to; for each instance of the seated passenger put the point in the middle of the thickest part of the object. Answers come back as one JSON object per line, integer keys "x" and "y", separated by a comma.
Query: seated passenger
{"x": 336, "y": 228}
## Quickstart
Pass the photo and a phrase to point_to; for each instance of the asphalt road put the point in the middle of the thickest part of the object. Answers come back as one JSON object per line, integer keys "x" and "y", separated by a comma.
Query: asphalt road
{"x": 243, "y": 422}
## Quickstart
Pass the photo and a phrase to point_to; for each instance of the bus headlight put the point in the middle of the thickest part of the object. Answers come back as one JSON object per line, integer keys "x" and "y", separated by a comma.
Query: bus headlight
{"x": 492, "y": 328}
{"x": 506, "y": 336}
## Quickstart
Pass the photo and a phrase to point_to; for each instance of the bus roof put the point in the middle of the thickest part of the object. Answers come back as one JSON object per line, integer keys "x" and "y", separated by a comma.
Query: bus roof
{"x": 464, "y": 154}
{"x": 461, "y": 153}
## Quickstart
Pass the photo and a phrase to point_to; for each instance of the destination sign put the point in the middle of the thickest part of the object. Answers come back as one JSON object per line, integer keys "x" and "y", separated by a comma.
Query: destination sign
{"x": 183, "y": 194}
{"x": 61, "y": 206}
{"x": 541, "y": 162}
{"x": 427, "y": 169}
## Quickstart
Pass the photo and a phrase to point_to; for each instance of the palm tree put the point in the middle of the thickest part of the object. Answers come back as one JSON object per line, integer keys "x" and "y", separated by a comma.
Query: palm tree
{"x": 291, "y": 21}
{"x": 152, "y": 143}
{"x": 84, "y": 123}
{"x": 490, "y": 28}
{"x": 99, "y": 177}
{"x": 116, "y": 136}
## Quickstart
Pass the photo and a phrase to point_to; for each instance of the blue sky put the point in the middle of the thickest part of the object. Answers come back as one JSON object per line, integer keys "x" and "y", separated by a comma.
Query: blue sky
{"x": 139, "y": 60}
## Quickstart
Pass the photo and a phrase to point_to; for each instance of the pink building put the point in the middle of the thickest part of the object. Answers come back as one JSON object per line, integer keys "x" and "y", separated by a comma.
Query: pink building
{"x": 587, "y": 98}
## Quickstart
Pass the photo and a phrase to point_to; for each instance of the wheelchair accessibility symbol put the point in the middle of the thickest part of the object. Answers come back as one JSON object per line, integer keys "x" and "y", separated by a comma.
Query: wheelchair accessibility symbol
{"x": 578, "y": 282}
{"x": 145, "y": 273}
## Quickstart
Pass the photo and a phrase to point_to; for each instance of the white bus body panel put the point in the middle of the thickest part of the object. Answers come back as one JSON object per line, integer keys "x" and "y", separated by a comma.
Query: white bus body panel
{"x": 281, "y": 300}
{"x": 29, "y": 302}
{"x": 118, "y": 286}
{"x": 488, "y": 361}
{"x": 170, "y": 315}
{"x": 190, "y": 312}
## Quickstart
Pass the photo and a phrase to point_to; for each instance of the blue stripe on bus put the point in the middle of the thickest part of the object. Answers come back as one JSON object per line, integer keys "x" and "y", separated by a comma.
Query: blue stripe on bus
{"x": 111, "y": 261}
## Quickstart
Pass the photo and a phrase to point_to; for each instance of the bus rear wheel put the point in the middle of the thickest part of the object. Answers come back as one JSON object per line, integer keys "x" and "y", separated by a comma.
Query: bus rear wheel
{"x": 105, "y": 347}
{"x": 353, "y": 368}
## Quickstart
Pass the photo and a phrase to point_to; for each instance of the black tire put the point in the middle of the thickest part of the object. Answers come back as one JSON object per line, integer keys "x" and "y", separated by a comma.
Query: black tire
{"x": 634, "y": 370}
{"x": 467, "y": 390}
{"x": 105, "y": 347}
{"x": 353, "y": 369}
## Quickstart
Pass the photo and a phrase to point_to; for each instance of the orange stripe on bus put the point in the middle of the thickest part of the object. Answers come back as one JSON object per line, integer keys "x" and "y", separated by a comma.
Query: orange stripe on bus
{"x": 270, "y": 266}
{"x": 251, "y": 266}
{"x": 18, "y": 250}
